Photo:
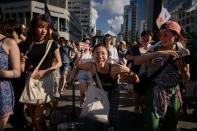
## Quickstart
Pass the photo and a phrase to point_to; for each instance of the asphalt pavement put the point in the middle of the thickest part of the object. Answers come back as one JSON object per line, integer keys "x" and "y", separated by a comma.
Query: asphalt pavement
{"x": 127, "y": 118}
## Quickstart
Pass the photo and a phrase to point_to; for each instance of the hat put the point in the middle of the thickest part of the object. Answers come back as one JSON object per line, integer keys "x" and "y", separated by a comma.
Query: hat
{"x": 172, "y": 25}
{"x": 123, "y": 42}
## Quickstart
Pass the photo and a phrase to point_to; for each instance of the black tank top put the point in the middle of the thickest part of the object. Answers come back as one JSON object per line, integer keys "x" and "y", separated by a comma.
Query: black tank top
{"x": 107, "y": 81}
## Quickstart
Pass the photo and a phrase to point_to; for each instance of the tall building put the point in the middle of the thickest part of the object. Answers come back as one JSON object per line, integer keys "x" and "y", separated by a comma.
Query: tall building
{"x": 24, "y": 10}
{"x": 153, "y": 8}
{"x": 182, "y": 12}
{"x": 82, "y": 9}
{"x": 129, "y": 24}
{"x": 140, "y": 13}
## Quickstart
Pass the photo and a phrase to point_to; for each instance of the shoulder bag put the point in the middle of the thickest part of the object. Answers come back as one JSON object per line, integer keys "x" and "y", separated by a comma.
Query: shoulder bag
{"x": 37, "y": 91}
{"x": 96, "y": 104}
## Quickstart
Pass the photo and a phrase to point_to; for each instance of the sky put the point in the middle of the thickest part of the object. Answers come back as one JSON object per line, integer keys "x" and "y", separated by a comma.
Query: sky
{"x": 109, "y": 13}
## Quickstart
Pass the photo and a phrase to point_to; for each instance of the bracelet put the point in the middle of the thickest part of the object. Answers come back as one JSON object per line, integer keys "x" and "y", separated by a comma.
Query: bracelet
{"x": 14, "y": 73}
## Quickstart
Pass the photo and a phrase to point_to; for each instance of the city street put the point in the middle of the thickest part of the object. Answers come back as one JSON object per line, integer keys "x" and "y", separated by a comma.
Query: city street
{"x": 152, "y": 43}
{"x": 127, "y": 119}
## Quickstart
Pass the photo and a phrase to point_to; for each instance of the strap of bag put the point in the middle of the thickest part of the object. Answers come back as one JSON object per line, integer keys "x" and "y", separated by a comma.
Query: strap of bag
{"x": 46, "y": 52}
{"x": 169, "y": 60}
{"x": 97, "y": 78}
{"x": 29, "y": 49}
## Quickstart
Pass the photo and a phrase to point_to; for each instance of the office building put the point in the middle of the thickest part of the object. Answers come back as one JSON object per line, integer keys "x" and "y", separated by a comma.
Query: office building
{"x": 129, "y": 24}
{"x": 82, "y": 9}
{"x": 62, "y": 20}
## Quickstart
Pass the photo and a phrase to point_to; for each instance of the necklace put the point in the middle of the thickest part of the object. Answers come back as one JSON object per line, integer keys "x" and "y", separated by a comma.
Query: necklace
{"x": 39, "y": 42}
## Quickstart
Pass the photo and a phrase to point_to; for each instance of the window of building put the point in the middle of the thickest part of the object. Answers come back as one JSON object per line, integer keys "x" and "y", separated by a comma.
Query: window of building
{"x": 179, "y": 15}
{"x": 1, "y": 16}
{"x": 7, "y": 16}
{"x": 67, "y": 23}
{"x": 62, "y": 3}
{"x": 62, "y": 25}
{"x": 187, "y": 21}
{"x": 35, "y": 14}
{"x": 192, "y": 19}
{"x": 77, "y": 12}
{"x": 187, "y": 29}
{"x": 54, "y": 2}
{"x": 84, "y": 21}
{"x": 187, "y": 14}
{"x": 40, "y": 0}
{"x": 183, "y": 14}
{"x": 20, "y": 18}
{"x": 192, "y": 12}
{"x": 27, "y": 18}
{"x": 55, "y": 22}
{"x": 14, "y": 16}
{"x": 183, "y": 22}
{"x": 77, "y": 3}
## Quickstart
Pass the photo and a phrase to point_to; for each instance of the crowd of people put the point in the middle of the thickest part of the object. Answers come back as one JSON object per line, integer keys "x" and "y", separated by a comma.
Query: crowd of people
{"x": 161, "y": 62}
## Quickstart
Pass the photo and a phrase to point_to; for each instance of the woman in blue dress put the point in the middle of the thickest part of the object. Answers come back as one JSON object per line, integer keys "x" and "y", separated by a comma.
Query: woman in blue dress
{"x": 9, "y": 68}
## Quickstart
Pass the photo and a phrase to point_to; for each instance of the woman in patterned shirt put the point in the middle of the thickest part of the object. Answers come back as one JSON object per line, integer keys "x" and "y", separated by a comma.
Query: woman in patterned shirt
{"x": 161, "y": 98}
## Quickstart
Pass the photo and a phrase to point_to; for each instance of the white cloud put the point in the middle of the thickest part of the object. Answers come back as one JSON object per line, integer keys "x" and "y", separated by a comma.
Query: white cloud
{"x": 115, "y": 23}
{"x": 113, "y": 6}
{"x": 110, "y": 32}
{"x": 94, "y": 16}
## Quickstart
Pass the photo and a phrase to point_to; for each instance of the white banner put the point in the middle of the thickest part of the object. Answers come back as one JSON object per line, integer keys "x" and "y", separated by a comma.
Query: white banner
{"x": 163, "y": 17}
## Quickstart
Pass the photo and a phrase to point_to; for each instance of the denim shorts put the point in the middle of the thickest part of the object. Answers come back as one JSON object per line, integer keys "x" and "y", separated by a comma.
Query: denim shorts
{"x": 84, "y": 77}
{"x": 64, "y": 69}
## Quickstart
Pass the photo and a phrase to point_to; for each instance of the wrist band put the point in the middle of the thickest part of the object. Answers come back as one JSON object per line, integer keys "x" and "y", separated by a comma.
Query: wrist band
{"x": 14, "y": 73}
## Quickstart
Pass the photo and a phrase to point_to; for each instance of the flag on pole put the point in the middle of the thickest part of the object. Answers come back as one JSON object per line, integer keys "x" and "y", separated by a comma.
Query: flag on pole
{"x": 193, "y": 6}
{"x": 163, "y": 17}
{"x": 47, "y": 12}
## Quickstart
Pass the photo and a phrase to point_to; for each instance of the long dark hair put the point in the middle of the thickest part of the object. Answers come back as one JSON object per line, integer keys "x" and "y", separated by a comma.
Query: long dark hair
{"x": 9, "y": 26}
{"x": 31, "y": 35}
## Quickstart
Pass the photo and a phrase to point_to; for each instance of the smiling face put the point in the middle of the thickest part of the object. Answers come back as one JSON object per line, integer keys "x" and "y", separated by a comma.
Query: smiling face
{"x": 100, "y": 55}
{"x": 42, "y": 30}
{"x": 167, "y": 37}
